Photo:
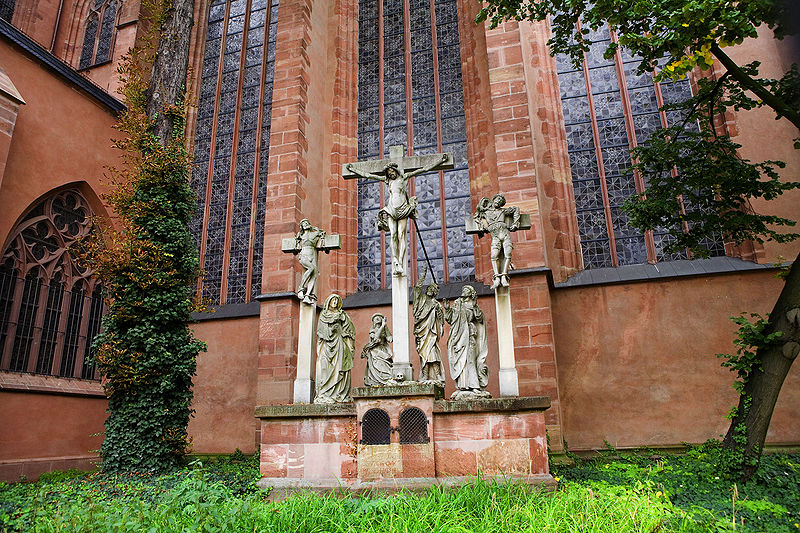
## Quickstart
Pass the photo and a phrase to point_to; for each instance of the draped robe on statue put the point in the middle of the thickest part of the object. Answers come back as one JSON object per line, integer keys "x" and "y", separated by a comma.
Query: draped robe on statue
{"x": 335, "y": 346}
{"x": 378, "y": 354}
{"x": 428, "y": 328}
{"x": 466, "y": 347}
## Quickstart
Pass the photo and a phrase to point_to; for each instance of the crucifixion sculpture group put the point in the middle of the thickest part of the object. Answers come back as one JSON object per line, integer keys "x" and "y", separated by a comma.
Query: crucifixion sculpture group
{"x": 334, "y": 334}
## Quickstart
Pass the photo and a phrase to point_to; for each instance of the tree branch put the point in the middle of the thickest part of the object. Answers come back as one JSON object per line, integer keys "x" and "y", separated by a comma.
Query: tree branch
{"x": 778, "y": 105}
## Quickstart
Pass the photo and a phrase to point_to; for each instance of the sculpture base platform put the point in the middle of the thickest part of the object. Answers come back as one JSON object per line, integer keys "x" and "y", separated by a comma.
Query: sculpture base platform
{"x": 392, "y": 438}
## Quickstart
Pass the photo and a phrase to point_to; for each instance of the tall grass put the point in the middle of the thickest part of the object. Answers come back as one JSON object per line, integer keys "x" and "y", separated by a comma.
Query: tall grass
{"x": 196, "y": 503}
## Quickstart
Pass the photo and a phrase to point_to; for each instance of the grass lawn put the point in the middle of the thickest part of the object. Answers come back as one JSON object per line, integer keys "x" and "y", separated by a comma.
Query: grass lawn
{"x": 634, "y": 493}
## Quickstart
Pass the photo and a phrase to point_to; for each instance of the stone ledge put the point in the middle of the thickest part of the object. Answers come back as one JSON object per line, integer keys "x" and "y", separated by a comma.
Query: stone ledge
{"x": 484, "y": 405}
{"x": 305, "y": 410}
{"x": 394, "y": 391}
{"x": 22, "y": 382}
{"x": 281, "y": 488}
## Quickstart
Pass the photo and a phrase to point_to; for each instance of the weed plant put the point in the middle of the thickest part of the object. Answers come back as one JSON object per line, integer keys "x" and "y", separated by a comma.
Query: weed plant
{"x": 696, "y": 483}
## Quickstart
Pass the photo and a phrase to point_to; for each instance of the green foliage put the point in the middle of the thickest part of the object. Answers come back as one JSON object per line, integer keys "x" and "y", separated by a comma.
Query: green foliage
{"x": 715, "y": 186}
{"x": 149, "y": 265}
{"x": 194, "y": 500}
{"x": 698, "y": 484}
{"x": 749, "y": 338}
{"x": 675, "y": 33}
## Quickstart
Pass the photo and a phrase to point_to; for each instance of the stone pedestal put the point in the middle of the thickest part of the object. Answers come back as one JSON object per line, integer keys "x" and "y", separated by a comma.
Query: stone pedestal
{"x": 400, "y": 330}
{"x": 509, "y": 383}
{"x": 402, "y": 437}
{"x": 303, "y": 383}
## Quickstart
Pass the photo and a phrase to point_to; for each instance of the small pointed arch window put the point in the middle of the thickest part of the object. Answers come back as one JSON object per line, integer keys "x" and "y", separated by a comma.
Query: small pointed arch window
{"x": 50, "y": 304}
{"x": 98, "y": 39}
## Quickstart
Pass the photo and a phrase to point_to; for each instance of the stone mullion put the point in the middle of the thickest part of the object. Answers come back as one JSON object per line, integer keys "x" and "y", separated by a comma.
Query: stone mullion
{"x": 226, "y": 249}
{"x": 61, "y": 330}
{"x": 41, "y": 311}
{"x": 437, "y": 97}
{"x": 259, "y": 138}
{"x": 381, "y": 134}
{"x": 212, "y": 148}
{"x": 630, "y": 129}
{"x": 86, "y": 309}
{"x": 13, "y": 321}
{"x": 412, "y": 246}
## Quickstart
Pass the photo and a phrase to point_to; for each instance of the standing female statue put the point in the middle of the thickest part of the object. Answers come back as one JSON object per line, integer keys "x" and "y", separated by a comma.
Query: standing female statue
{"x": 466, "y": 346}
{"x": 428, "y": 329}
{"x": 378, "y": 354}
{"x": 335, "y": 346}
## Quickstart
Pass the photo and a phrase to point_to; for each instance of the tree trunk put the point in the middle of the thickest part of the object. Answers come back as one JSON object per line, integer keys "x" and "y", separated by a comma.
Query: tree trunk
{"x": 170, "y": 66}
{"x": 763, "y": 385}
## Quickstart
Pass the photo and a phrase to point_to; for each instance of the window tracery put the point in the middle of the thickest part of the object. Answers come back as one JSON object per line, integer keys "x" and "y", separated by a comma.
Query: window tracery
{"x": 50, "y": 304}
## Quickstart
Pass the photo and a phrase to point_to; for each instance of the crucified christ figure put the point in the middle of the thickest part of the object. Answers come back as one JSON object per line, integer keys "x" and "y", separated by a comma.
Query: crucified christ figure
{"x": 399, "y": 207}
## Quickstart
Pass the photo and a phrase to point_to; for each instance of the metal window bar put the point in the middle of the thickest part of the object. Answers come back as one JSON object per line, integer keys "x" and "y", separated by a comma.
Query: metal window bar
{"x": 413, "y": 426}
{"x": 375, "y": 427}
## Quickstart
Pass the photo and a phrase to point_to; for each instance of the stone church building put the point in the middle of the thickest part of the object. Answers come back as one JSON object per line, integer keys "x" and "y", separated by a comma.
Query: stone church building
{"x": 620, "y": 335}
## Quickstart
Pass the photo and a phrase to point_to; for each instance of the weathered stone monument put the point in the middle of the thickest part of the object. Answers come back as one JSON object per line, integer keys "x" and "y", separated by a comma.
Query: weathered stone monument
{"x": 396, "y": 172}
{"x": 396, "y": 433}
{"x": 499, "y": 221}
{"x": 307, "y": 244}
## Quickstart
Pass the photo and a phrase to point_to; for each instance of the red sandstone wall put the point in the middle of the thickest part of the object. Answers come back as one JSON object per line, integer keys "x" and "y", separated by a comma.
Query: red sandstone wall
{"x": 763, "y": 138}
{"x": 43, "y": 432}
{"x": 637, "y": 362}
{"x": 225, "y": 387}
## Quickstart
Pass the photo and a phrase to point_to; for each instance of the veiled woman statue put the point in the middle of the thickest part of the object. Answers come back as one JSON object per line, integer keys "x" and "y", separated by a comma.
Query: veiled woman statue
{"x": 428, "y": 329}
{"x": 466, "y": 346}
{"x": 378, "y": 354}
{"x": 335, "y": 346}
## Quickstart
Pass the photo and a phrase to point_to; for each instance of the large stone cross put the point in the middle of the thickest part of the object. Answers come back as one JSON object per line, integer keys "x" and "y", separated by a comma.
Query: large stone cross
{"x": 395, "y": 172}
{"x": 405, "y": 163}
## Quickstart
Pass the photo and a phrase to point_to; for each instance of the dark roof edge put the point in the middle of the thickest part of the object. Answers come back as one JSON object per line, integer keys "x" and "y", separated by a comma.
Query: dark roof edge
{"x": 663, "y": 270}
{"x": 59, "y": 67}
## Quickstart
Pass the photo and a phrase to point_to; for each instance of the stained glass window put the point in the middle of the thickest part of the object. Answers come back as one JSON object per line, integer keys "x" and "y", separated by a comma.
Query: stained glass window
{"x": 50, "y": 305}
{"x": 7, "y": 9}
{"x": 98, "y": 38}
{"x": 232, "y": 146}
{"x": 608, "y": 109}
{"x": 410, "y": 93}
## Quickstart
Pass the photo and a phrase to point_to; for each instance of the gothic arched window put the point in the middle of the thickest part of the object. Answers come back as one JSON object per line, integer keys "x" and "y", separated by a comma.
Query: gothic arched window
{"x": 50, "y": 305}
{"x": 609, "y": 108}
{"x": 410, "y": 93}
{"x": 99, "y": 36}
